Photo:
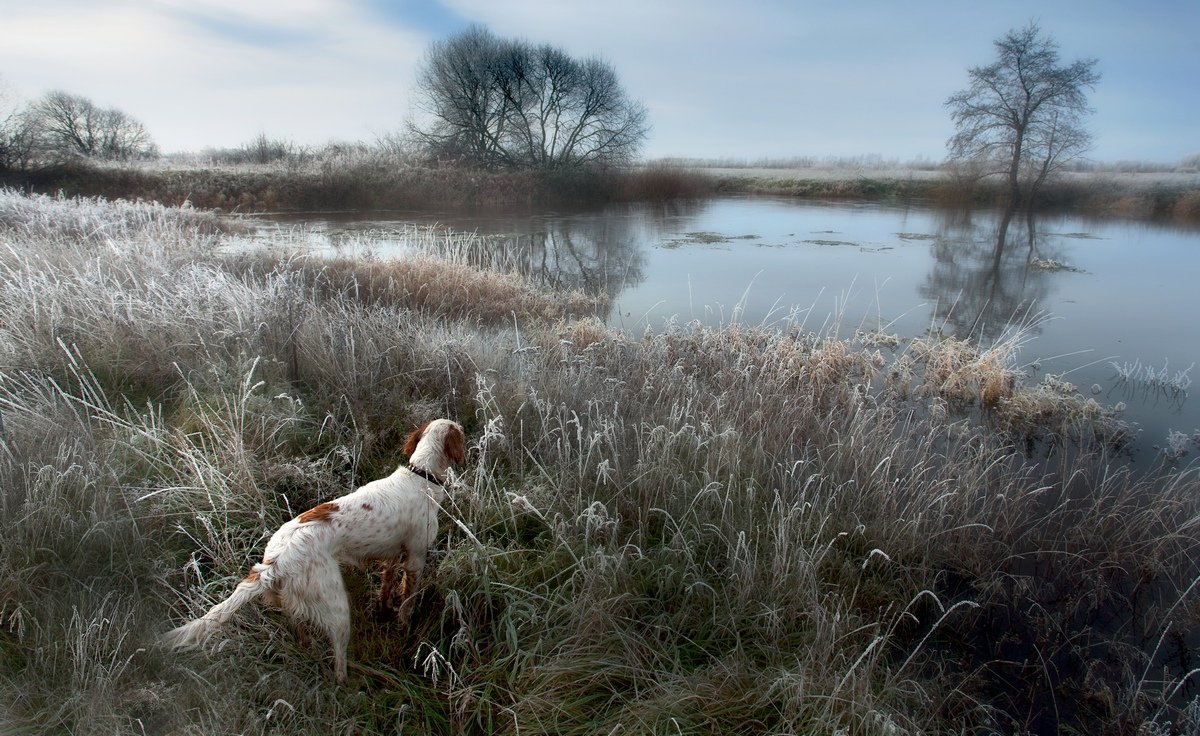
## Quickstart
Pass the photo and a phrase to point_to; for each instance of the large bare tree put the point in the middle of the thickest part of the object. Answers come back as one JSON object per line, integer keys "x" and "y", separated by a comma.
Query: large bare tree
{"x": 507, "y": 103}
{"x": 71, "y": 124}
{"x": 1023, "y": 115}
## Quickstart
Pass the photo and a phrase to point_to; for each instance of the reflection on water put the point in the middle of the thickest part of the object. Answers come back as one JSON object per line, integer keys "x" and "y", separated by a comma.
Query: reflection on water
{"x": 844, "y": 266}
{"x": 980, "y": 279}
{"x": 598, "y": 256}
{"x": 595, "y": 252}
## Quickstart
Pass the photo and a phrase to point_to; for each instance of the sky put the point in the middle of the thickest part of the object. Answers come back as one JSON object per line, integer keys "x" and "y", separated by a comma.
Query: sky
{"x": 744, "y": 79}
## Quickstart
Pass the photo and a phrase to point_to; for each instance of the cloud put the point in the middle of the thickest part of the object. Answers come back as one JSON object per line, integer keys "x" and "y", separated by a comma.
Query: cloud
{"x": 218, "y": 74}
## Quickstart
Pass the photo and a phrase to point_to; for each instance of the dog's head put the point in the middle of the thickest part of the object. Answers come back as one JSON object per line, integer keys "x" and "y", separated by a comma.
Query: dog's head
{"x": 446, "y": 436}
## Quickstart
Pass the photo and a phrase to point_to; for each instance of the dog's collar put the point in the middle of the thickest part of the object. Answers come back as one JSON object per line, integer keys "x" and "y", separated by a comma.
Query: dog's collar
{"x": 427, "y": 476}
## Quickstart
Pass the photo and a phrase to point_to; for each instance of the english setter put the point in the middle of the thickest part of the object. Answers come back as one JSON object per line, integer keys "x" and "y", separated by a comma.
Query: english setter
{"x": 389, "y": 519}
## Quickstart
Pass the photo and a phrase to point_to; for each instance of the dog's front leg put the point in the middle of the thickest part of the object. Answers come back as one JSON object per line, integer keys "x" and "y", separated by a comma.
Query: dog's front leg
{"x": 412, "y": 566}
{"x": 387, "y": 588}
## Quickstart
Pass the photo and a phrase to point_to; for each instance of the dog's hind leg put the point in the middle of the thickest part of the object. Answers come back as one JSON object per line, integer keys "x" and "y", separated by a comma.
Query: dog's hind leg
{"x": 320, "y": 599}
{"x": 335, "y": 621}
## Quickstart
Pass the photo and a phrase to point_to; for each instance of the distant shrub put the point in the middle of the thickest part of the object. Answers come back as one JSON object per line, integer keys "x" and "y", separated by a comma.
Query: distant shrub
{"x": 354, "y": 177}
{"x": 259, "y": 150}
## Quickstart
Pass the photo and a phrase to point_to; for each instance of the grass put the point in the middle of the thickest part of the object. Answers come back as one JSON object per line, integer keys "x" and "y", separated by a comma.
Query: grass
{"x": 1172, "y": 384}
{"x": 706, "y": 529}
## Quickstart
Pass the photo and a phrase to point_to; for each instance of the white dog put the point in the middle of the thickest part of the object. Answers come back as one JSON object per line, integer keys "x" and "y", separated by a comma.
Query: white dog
{"x": 389, "y": 519}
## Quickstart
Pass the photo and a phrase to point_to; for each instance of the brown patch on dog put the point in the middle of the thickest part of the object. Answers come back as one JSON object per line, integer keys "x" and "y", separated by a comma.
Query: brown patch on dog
{"x": 455, "y": 445}
{"x": 368, "y": 507}
{"x": 410, "y": 443}
{"x": 320, "y": 512}
{"x": 252, "y": 577}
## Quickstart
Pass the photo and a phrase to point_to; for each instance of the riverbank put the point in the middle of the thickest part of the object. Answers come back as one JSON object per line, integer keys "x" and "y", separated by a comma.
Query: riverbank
{"x": 1158, "y": 195}
{"x": 358, "y": 182}
{"x": 709, "y": 529}
{"x": 365, "y": 181}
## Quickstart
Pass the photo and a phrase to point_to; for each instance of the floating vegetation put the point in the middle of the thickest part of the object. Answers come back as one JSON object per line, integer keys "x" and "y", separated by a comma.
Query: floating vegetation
{"x": 877, "y": 338}
{"x": 832, "y": 242}
{"x": 1079, "y": 236}
{"x": 916, "y": 236}
{"x": 705, "y": 238}
{"x": 1048, "y": 264}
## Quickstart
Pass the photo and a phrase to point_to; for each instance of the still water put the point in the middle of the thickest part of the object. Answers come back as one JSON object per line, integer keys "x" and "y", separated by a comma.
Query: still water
{"x": 1096, "y": 292}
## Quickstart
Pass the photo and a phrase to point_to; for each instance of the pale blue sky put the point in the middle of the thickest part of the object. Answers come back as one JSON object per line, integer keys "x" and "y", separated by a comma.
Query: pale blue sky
{"x": 754, "y": 78}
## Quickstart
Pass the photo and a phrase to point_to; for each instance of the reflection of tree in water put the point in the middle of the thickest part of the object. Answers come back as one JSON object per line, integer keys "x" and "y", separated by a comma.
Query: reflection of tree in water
{"x": 981, "y": 279}
{"x": 595, "y": 256}
{"x": 596, "y": 253}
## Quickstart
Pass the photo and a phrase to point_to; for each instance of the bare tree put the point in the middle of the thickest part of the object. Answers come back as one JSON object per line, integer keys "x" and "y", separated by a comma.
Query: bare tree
{"x": 460, "y": 91}
{"x": 504, "y": 103}
{"x": 1023, "y": 115}
{"x": 17, "y": 139}
{"x": 71, "y": 124}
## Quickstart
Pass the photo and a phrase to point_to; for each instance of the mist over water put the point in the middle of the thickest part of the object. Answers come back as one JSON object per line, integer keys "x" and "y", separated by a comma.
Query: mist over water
{"x": 1092, "y": 293}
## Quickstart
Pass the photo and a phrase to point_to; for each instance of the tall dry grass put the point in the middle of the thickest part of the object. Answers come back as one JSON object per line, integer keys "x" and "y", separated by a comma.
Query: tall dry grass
{"x": 358, "y": 179}
{"x": 704, "y": 529}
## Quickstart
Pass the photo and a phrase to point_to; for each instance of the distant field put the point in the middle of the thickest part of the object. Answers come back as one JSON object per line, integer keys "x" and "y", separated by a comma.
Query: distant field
{"x": 823, "y": 174}
{"x": 1135, "y": 180}
{"x": 1111, "y": 192}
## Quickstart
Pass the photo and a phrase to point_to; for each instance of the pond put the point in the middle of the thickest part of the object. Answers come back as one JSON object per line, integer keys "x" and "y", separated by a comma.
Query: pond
{"x": 1109, "y": 303}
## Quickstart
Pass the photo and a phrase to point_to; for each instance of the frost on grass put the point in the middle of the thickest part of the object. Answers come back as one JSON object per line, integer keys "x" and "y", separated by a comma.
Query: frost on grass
{"x": 1178, "y": 444}
{"x": 1163, "y": 379}
{"x": 877, "y": 338}
{"x": 1056, "y": 409}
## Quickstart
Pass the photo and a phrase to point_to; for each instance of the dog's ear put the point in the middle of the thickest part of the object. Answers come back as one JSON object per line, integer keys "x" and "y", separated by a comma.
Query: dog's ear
{"x": 455, "y": 445}
{"x": 410, "y": 443}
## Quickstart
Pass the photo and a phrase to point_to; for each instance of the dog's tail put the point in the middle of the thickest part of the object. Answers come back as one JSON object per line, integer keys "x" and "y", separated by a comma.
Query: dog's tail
{"x": 195, "y": 633}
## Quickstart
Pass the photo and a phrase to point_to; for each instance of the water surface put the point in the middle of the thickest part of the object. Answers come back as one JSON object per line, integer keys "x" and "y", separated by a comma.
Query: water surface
{"x": 1098, "y": 292}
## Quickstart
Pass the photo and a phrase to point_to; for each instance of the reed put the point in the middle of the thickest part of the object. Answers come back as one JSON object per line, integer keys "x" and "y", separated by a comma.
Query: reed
{"x": 708, "y": 528}
{"x": 357, "y": 179}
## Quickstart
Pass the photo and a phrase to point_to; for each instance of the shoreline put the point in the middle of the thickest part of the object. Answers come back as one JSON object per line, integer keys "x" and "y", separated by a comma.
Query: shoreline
{"x": 367, "y": 184}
